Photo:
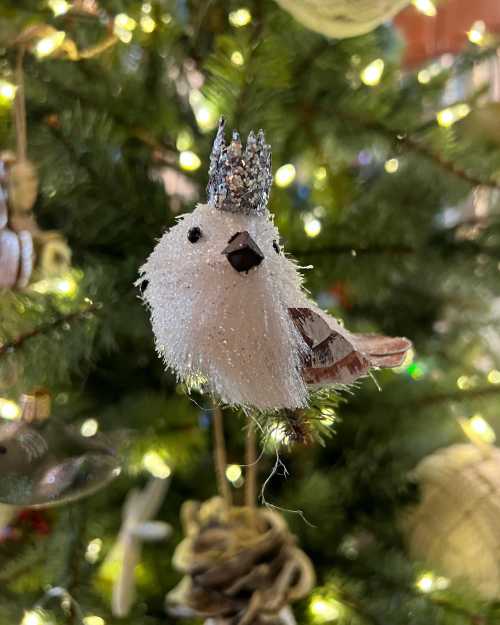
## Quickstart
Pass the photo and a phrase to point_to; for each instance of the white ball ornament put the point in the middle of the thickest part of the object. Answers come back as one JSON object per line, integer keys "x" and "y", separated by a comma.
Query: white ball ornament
{"x": 228, "y": 308}
{"x": 455, "y": 526}
{"x": 342, "y": 18}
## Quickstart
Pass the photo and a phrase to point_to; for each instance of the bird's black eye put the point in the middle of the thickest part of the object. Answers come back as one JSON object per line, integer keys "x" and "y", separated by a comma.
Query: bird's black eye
{"x": 276, "y": 247}
{"x": 194, "y": 234}
{"x": 3, "y": 450}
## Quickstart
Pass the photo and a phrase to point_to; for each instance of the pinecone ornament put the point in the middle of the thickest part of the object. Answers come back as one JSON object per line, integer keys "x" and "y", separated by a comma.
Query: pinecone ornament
{"x": 455, "y": 526}
{"x": 241, "y": 566}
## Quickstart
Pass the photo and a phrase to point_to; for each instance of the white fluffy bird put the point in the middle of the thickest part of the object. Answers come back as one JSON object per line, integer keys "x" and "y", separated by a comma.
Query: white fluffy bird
{"x": 228, "y": 308}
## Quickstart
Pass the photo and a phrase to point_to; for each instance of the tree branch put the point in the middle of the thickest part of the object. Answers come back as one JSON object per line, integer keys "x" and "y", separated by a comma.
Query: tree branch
{"x": 400, "y": 138}
{"x": 45, "y": 328}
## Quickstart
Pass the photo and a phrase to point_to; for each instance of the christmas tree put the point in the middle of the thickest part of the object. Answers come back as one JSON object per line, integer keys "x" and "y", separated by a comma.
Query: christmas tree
{"x": 376, "y": 503}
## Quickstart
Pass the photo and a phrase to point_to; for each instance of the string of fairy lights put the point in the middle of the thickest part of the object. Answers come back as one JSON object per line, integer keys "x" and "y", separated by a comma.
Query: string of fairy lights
{"x": 325, "y": 605}
{"x": 124, "y": 26}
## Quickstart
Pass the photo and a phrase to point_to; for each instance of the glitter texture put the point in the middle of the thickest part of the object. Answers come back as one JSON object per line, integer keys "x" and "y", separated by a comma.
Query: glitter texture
{"x": 240, "y": 180}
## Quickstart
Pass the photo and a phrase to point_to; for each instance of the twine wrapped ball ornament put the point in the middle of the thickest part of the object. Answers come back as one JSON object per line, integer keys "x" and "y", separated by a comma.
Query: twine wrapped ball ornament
{"x": 228, "y": 308}
{"x": 241, "y": 566}
{"x": 455, "y": 527}
{"x": 342, "y": 18}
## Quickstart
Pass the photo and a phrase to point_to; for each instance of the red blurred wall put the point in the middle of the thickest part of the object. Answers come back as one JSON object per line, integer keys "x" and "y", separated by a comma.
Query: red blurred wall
{"x": 429, "y": 37}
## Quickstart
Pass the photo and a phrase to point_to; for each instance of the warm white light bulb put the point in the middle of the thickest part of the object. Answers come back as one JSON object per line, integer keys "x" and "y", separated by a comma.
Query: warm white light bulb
{"x": 449, "y": 116}
{"x": 154, "y": 463}
{"x": 312, "y": 225}
{"x": 285, "y": 175}
{"x": 240, "y": 17}
{"x": 233, "y": 473}
{"x": 425, "y": 583}
{"x": 93, "y": 620}
{"x": 48, "y": 45}
{"x": 7, "y": 90}
{"x": 372, "y": 73}
{"x": 427, "y": 7}
{"x": 189, "y": 160}
{"x": 324, "y": 610}
{"x": 33, "y": 617}
{"x": 494, "y": 376}
{"x": 148, "y": 24}
{"x": 391, "y": 166}
{"x": 59, "y": 7}
{"x": 237, "y": 58}
{"x": 9, "y": 409}
{"x": 122, "y": 20}
{"x": 476, "y": 32}
{"x": 89, "y": 428}
{"x": 93, "y": 550}
{"x": 482, "y": 429}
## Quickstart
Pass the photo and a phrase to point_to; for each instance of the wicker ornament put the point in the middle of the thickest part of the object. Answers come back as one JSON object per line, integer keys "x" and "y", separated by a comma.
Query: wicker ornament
{"x": 455, "y": 526}
{"x": 342, "y": 18}
{"x": 241, "y": 566}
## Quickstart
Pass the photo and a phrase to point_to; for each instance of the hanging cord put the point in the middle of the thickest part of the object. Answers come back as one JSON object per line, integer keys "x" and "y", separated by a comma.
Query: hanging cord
{"x": 20, "y": 108}
{"x": 251, "y": 464}
{"x": 220, "y": 456}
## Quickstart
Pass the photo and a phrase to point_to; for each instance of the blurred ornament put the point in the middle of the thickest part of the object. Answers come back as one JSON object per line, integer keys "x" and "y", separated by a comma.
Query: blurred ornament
{"x": 455, "y": 528}
{"x": 44, "y": 462}
{"x": 21, "y": 239}
{"x": 16, "y": 258}
{"x": 54, "y": 256}
{"x": 267, "y": 352}
{"x": 17, "y": 253}
{"x": 449, "y": 31}
{"x": 140, "y": 507}
{"x": 7, "y": 514}
{"x": 341, "y": 294}
{"x": 17, "y": 525}
{"x": 342, "y": 18}
{"x": 22, "y": 186}
{"x": 241, "y": 566}
{"x": 179, "y": 187}
{"x": 89, "y": 7}
{"x": 45, "y": 41}
{"x": 483, "y": 123}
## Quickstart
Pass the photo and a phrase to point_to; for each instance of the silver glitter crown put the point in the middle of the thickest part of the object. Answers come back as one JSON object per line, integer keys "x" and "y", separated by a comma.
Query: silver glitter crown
{"x": 239, "y": 180}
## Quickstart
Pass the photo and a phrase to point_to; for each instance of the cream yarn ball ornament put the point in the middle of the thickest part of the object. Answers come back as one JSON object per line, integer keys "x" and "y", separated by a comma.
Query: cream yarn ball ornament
{"x": 455, "y": 527}
{"x": 342, "y": 18}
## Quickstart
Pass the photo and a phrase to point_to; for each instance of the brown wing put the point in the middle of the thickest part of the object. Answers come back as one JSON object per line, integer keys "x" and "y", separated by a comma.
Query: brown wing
{"x": 343, "y": 358}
